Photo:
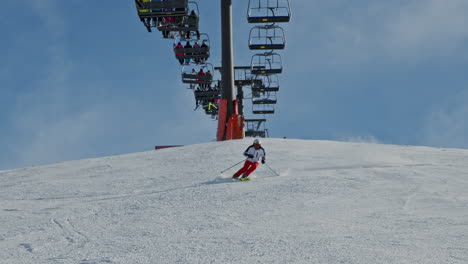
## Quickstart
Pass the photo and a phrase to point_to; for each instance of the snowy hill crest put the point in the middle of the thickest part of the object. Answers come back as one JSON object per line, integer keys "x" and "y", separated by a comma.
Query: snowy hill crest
{"x": 333, "y": 202}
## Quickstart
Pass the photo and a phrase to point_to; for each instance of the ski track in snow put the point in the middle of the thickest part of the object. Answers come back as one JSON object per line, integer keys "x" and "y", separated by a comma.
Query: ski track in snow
{"x": 332, "y": 202}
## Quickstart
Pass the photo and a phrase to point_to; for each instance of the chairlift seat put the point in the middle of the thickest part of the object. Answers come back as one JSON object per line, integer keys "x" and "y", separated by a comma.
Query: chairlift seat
{"x": 188, "y": 24}
{"x": 247, "y": 82}
{"x": 253, "y": 124}
{"x": 253, "y": 127}
{"x": 155, "y": 14}
{"x": 271, "y": 62}
{"x": 193, "y": 56}
{"x": 178, "y": 28}
{"x": 266, "y": 46}
{"x": 269, "y": 19}
{"x": 257, "y": 112}
{"x": 196, "y": 79}
{"x": 202, "y": 52}
{"x": 207, "y": 95}
{"x": 266, "y": 71}
{"x": 159, "y": 8}
{"x": 255, "y": 133}
{"x": 255, "y": 120}
{"x": 265, "y": 89}
{"x": 242, "y": 82}
{"x": 264, "y": 101}
{"x": 257, "y": 82}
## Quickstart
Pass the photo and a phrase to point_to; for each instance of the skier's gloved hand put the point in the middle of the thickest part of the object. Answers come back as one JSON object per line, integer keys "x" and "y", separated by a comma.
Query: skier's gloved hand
{"x": 263, "y": 161}
{"x": 249, "y": 155}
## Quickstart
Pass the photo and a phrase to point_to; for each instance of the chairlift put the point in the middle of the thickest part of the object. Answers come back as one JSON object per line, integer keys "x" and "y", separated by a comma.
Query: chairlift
{"x": 267, "y": 38}
{"x": 263, "y": 109}
{"x": 211, "y": 107}
{"x": 266, "y": 64}
{"x": 209, "y": 100}
{"x": 243, "y": 82}
{"x": 265, "y": 98}
{"x": 255, "y": 128}
{"x": 263, "y": 112}
{"x": 202, "y": 53}
{"x": 255, "y": 133}
{"x": 265, "y": 83}
{"x": 264, "y": 101}
{"x": 156, "y": 9}
{"x": 207, "y": 95}
{"x": 268, "y": 11}
{"x": 191, "y": 74}
{"x": 183, "y": 24}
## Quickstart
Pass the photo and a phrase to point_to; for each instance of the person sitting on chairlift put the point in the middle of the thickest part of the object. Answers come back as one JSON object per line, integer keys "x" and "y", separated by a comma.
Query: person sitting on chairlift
{"x": 167, "y": 22}
{"x": 192, "y": 22}
{"x": 179, "y": 46}
{"x": 201, "y": 85}
{"x": 196, "y": 46}
{"x": 204, "y": 46}
{"x": 209, "y": 76}
{"x": 188, "y": 46}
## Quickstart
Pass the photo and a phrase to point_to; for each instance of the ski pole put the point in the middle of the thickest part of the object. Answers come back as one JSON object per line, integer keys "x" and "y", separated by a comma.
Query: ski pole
{"x": 272, "y": 170}
{"x": 232, "y": 166}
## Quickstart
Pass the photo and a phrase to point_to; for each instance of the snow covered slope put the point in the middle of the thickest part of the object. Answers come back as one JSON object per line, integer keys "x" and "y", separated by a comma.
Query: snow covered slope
{"x": 333, "y": 202}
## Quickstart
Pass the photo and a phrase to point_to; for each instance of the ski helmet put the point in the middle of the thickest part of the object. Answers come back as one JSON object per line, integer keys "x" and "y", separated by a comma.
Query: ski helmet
{"x": 256, "y": 141}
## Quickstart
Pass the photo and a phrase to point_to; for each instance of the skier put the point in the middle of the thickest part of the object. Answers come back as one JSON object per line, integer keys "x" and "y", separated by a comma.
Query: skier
{"x": 253, "y": 153}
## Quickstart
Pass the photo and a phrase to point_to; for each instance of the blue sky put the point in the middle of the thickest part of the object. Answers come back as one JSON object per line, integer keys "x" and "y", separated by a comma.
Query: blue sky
{"x": 81, "y": 80}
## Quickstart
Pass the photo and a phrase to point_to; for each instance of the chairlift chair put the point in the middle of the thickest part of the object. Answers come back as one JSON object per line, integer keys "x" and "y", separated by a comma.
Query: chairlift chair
{"x": 207, "y": 95}
{"x": 255, "y": 133}
{"x": 268, "y": 11}
{"x": 156, "y": 9}
{"x": 209, "y": 100}
{"x": 193, "y": 53}
{"x": 263, "y": 112}
{"x": 242, "y": 82}
{"x": 186, "y": 24}
{"x": 267, "y": 38}
{"x": 211, "y": 108}
{"x": 254, "y": 127}
{"x": 188, "y": 76}
{"x": 266, "y": 64}
{"x": 267, "y": 98}
{"x": 265, "y": 83}
{"x": 264, "y": 101}
{"x": 263, "y": 109}
{"x": 243, "y": 76}
{"x": 179, "y": 27}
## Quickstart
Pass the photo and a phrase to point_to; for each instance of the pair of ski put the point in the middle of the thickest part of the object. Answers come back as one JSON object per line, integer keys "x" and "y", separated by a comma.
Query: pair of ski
{"x": 241, "y": 179}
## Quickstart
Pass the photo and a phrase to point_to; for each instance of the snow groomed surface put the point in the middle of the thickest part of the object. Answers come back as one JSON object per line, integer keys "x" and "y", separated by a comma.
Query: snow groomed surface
{"x": 333, "y": 202}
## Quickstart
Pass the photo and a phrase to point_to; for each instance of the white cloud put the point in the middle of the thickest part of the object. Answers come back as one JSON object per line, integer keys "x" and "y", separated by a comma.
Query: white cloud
{"x": 337, "y": 33}
{"x": 59, "y": 66}
{"x": 61, "y": 139}
{"x": 46, "y": 130}
{"x": 428, "y": 28}
{"x": 447, "y": 125}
